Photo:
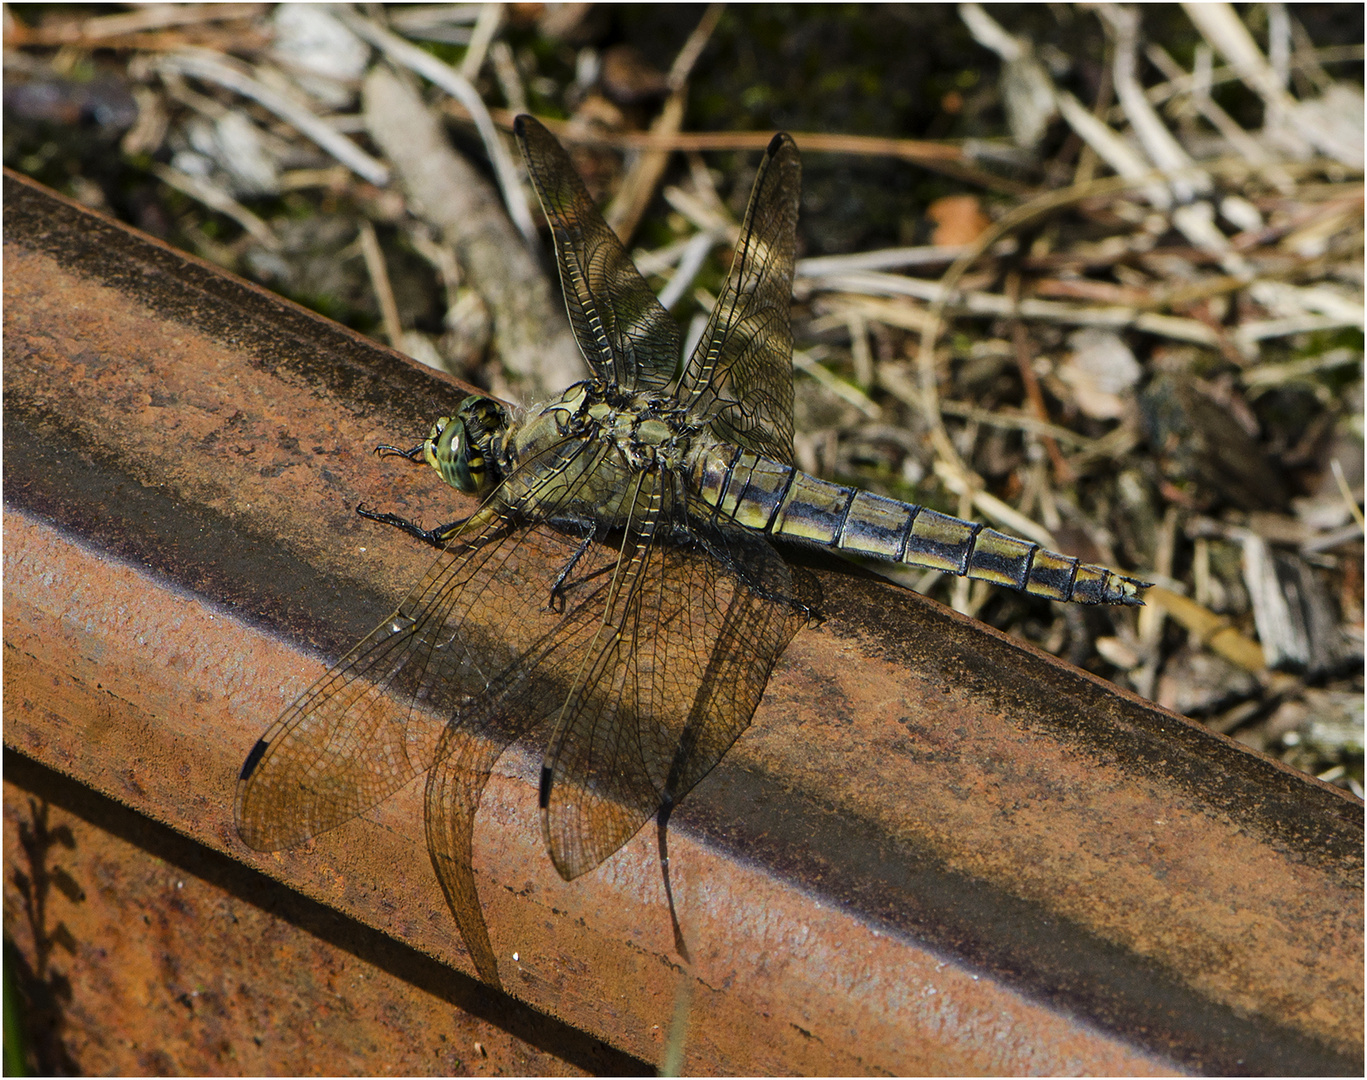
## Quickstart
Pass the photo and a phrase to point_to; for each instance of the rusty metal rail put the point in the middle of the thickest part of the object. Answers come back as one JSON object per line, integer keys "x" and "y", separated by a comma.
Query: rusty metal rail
{"x": 936, "y": 849}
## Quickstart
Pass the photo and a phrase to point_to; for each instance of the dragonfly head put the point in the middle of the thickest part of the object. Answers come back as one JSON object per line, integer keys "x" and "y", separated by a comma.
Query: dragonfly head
{"x": 465, "y": 449}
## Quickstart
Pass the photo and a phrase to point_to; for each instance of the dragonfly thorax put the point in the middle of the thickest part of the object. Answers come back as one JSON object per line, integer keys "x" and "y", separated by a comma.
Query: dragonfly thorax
{"x": 596, "y": 451}
{"x": 649, "y": 430}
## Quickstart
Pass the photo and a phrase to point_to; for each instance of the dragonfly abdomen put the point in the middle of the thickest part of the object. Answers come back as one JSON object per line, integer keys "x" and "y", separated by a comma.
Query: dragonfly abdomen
{"x": 782, "y": 501}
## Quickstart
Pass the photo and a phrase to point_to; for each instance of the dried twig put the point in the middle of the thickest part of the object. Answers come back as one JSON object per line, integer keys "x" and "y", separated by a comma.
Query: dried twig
{"x": 1063, "y": 474}
{"x": 531, "y": 333}
{"x": 1243, "y": 143}
{"x": 379, "y": 280}
{"x": 217, "y": 199}
{"x": 952, "y": 159}
{"x": 102, "y": 28}
{"x": 638, "y": 188}
{"x": 486, "y": 26}
{"x": 455, "y": 84}
{"x": 211, "y": 67}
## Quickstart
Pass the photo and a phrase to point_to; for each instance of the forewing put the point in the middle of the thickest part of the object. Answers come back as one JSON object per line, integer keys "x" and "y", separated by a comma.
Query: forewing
{"x": 374, "y": 721}
{"x": 626, "y": 336}
{"x": 741, "y": 374}
{"x": 689, "y": 637}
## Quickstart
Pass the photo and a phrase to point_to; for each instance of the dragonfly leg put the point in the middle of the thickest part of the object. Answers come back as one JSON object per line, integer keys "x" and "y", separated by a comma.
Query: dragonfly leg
{"x": 721, "y": 554}
{"x": 416, "y": 454}
{"x": 437, "y": 537}
{"x": 557, "y": 603}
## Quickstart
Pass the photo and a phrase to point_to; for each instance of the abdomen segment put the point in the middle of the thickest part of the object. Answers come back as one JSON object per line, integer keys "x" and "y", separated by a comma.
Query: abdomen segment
{"x": 777, "y": 499}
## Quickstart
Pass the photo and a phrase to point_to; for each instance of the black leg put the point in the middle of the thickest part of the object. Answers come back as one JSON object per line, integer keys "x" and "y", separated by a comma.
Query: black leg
{"x": 416, "y": 454}
{"x": 437, "y": 537}
{"x": 558, "y": 586}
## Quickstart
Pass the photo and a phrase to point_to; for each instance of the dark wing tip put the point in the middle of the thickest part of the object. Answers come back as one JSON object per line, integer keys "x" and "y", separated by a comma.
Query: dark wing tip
{"x": 253, "y": 759}
{"x": 544, "y": 794}
{"x": 777, "y": 143}
{"x": 521, "y": 121}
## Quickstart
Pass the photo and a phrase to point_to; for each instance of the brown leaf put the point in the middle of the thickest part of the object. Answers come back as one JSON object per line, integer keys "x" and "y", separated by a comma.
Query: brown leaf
{"x": 959, "y": 219}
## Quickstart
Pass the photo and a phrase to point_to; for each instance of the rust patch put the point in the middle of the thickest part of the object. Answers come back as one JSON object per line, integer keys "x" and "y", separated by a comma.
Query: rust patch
{"x": 152, "y": 956}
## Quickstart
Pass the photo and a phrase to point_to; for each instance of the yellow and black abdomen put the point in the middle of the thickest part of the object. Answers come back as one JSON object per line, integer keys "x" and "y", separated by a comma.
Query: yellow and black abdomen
{"x": 782, "y": 501}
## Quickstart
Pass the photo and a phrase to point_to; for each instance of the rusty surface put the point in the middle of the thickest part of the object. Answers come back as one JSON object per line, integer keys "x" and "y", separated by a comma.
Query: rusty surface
{"x": 935, "y": 850}
{"x": 145, "y": 954}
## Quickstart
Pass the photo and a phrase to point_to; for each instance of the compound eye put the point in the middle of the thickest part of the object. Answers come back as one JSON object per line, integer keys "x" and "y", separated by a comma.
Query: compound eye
{"x": 449, "y": 443}
{"x": 448, "y": 451}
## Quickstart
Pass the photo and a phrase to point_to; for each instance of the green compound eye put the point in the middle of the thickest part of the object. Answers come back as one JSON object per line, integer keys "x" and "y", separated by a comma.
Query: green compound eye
{"x": 459, "y": 447}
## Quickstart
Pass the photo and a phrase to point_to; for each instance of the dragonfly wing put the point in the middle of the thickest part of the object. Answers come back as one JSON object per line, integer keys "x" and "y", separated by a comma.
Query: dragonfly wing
{"x": 373, "y": 722}
{"x": 481, "y": 652}
{"x": 454, "y": 787}
{"x": 626, "y": 336}
{"x": 690, "y": 632}
{"x": 741, "y": 374}
{"x": 520, "y": 699}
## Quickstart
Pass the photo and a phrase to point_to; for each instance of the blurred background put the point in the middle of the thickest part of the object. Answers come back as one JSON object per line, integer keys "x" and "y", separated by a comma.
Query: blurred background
{"x": 1089, "y": 273}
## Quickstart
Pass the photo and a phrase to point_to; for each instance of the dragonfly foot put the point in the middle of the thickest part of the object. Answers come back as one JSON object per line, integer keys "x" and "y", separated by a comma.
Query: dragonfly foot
{"x": 416, "y": 454}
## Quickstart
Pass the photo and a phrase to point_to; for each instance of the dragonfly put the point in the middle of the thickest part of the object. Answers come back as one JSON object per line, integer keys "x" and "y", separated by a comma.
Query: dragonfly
{"x": 618, "y": 588}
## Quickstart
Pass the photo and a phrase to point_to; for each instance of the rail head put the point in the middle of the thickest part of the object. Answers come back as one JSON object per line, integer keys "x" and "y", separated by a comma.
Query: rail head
{"x": 935, "y": 849}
